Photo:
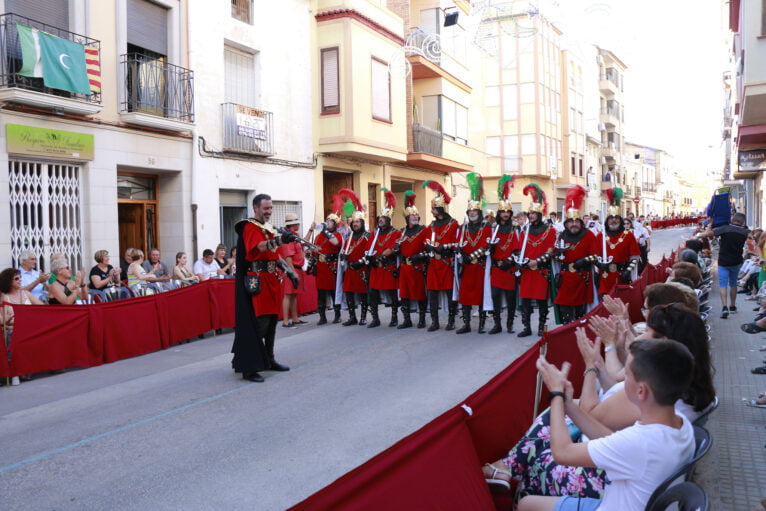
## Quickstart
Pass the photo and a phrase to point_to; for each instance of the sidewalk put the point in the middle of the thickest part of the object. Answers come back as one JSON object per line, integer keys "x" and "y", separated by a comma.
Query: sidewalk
{"x": 734, "y": 471}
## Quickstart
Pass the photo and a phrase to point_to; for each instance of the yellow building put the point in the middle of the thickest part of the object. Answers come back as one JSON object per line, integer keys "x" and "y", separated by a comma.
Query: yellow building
{"x": 611, "y": 119}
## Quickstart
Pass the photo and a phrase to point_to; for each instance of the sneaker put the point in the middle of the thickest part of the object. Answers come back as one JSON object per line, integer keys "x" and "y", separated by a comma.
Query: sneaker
{"x": 725, "y": 313}
{"x": 289, "y": 325}
{"x": 733, "y": 309}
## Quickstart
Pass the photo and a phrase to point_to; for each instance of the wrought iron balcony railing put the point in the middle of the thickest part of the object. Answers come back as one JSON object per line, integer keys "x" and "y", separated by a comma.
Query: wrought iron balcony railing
{"x": 426, "y": 140}
{"x": 154, "y": 87}
{"x": 247, "y": 130}
{"x": 11, "y": 58}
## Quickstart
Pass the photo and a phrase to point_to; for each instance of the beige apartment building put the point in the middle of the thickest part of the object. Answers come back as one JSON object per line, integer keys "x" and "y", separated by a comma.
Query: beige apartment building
{"x": 611, "y": 120}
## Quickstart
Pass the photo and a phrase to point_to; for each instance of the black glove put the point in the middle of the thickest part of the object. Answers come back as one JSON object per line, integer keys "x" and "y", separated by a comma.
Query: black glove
{"x": 626, "y": 276}
{"x": 430, "y": 249}
{"x": 342, "y": 257}
{"x": 491, "y": 249}
{"x": 329, "y": 235}
{"x": 355, "y": 265}
{"x": 505, "y": 265}
{"x": 293, "y": 278}
{"x": 602, "y": 266}
{"x": 287, "y": 237}
{"x": 581, "y": 264}
{"x": 418, "y": 259}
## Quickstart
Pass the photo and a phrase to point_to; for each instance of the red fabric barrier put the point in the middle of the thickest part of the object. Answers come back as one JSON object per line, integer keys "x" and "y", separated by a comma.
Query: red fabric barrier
{"x": 434, "y": 468}
{"x": 187, "y": 312}
{"x": 221, "y": 296}
{"x": 5, "y": 369}
{"x": 127, "y": 328}
{"x": 47, "y": 338}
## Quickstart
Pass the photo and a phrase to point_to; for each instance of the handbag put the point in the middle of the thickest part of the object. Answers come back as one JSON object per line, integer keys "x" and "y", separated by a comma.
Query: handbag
{"x": 253, "y": 284}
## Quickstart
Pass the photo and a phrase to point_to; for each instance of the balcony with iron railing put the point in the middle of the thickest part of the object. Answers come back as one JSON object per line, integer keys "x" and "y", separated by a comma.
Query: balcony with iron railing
{"x": 649, "y": 187}
{"x": 33, "y": 91}
{"x": 427, "y": 57}
{"x": 610, "y": 116}
{"x": 157, "y": 94}
{"x": 431, "y": 151}
{"x": 247, "y": 130}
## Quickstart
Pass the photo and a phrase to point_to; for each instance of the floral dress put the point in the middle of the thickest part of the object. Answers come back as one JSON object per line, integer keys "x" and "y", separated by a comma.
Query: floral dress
{"x": 531, "y": 463}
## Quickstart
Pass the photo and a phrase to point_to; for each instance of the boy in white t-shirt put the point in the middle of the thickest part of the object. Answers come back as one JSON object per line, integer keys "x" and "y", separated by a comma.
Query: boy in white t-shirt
{"x": 636, "y": 459}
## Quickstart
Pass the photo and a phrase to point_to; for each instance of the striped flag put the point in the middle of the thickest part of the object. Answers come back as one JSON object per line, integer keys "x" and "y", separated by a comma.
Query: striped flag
{"x": 29, "y": 39}
{"x": 93, "y": 65}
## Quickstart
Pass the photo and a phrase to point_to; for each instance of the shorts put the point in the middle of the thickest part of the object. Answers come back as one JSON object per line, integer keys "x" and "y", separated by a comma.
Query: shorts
{"x": 727, "y": 275}
{"x": 570, "y": 503}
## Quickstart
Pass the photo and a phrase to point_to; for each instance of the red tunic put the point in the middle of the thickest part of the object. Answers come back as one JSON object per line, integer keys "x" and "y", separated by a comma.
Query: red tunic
{"x": 412, "y": 278}
{"x": 354, "y": 281}
{"x": 576, "y": 287}
{"x": 384, "y": 277}
{"x": 534, "y": 283}
{"x": 440, "y": 271}
{"x": 506, "y": 244}
{"x": 294, "y": 250}
{"x": 472, "y": 280}
{"x": 325, "y": 279}
{"x": 268, "y": 301}
{"x": 621, "y": 247}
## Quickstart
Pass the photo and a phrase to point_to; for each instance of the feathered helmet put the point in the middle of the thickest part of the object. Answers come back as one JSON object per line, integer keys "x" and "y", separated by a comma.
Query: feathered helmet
{"x": 504, "y": 186}
{"x": 337, "y": 209}
{"x": 442, "y": 198}
{"x": 476, "y": 185}
{"x": 390, "y": 203}
{"x": 614, "y": 196}
{"x": 409, "y": 204}
{"x": 352, "y": 205}
{"x": 573, "y": 201}
{"x": 539, "y": 202}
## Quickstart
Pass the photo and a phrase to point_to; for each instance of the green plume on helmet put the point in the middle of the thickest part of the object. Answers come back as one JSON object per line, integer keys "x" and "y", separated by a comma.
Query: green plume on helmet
{"x": 476, "y": 185}
{"x": 348, "y": 208}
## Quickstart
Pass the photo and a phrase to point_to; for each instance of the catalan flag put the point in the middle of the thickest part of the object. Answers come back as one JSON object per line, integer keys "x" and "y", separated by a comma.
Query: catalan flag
{"x": 93, "y": 65}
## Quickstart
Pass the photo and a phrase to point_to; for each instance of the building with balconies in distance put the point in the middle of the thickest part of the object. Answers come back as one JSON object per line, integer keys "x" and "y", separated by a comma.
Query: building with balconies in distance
{"x": 641, "y": 164}
{"x": 612, "y": 120}
{"x": 97, "y": 142}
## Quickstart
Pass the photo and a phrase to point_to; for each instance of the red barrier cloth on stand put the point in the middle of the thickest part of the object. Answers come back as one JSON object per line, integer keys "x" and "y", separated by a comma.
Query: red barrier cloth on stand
{"x": 187, "y": 312}
{"x": 5, "y": 369}
{"x": 434, "y": 468}
{"x": 50, "y": 337}
{"x": 127, "y": 328}
{"x": 221, "y": 296}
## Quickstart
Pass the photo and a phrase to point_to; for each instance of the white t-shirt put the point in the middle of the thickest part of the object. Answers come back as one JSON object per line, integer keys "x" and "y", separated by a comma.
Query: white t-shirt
{"x": 206, "y": 270}
{"x": 638, "y": 459}
{"x": 640, "y": 232}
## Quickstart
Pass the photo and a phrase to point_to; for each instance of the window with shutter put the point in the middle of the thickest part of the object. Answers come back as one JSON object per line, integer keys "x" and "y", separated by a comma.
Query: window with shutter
{"x": 381, "y": 91}
{"x": 51, "y": 12}
{"x": 148, "y": 26}
{"x": 330, "y": 81}
{"x": 239, "y": 77}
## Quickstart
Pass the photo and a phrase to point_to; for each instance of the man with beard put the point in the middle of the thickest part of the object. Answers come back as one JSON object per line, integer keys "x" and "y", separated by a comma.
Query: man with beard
{"x": 412, "y": 270}
{"x": 617, "y": 243}
{"x": 503, "y": 243}
{"x": 537, "y": 241}
{"x": 384, "y": 273}
{"x": 329, "y": 242}
{"x": 473, "y": 246}
{"x": 355, "y": 272}
{"x": 257, "y": 291}
{"x": 441, "y": 240}
{"x": 576, "y": 252}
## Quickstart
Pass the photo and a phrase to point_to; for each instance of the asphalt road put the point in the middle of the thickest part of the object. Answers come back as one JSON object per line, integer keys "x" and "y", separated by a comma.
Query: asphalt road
{"x": 177, "y": 429}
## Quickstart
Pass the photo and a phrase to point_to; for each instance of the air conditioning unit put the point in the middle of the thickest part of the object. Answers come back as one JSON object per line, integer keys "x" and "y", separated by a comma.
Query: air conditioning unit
{"x": 601, "y": 126}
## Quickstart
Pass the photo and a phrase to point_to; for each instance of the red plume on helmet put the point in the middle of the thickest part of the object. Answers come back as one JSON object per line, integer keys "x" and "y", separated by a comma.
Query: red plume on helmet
{"x": 409, "y": 199}
{"x": 390, "y": 198}
{"x": 609, "y": 192}
{"x": 537, "y": 195}
{"x": 575, "y": 197}
{"x": 337, "y": 204}
{"x": 438, "y": 188}
{"x": 347, "y": 194}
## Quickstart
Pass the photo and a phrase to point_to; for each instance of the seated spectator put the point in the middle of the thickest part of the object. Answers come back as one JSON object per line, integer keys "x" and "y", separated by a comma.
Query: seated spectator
{"x": 105, "y": 279}
{"x": 12, "y": 293}
{"x": 687, "y": 270}
{"x": 127, "y": 259}
{"x": 137, "y": 274}
{"x": 691, "y": 299}
{"x": 233, "y": 258}
{"x": 64, "y": 290}
{"x": 220, "y": 259}
{"x": 181, "y": 272}
{"x": 31, "y": 279}
{"x": 161, "y": 271}
{"x": 206, "y": 267}
{"x": 638, "y": 458}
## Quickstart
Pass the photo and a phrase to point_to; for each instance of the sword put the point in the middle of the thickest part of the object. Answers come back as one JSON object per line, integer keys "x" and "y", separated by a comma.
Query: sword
{"x": 520, "y": 259}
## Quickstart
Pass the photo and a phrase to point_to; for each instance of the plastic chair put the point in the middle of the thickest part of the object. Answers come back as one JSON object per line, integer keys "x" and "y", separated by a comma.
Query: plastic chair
{"x": 702, "y": 443}
{"x": 687, "y": 496}
{"x": 702, "y": 419}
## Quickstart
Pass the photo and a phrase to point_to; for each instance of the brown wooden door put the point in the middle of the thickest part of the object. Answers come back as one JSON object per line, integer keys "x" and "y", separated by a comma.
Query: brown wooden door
{"x": 333, "y": 183}
{"x": 131, "y": 220}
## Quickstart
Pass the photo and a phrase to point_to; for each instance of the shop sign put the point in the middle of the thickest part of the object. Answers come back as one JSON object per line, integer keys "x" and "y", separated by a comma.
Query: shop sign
{"x": 251, "y": 122}
{"x": 42, "y": 142}
{"x": 752, "y": 161}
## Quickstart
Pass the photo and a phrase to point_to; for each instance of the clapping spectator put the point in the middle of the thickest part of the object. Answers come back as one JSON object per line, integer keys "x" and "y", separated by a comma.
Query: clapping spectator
{"x": 138, "y": 275}
{"x": 233, "y": 259}
{"x": 220, "y": 259}
{"x": 105, "y": 279}
{"x": 63, "y": 290}
{"x": 206, "y": 267}
{"x": 181, "y": 272}
{"x": 154, "y": 264}
{"x": 31, "y": 279}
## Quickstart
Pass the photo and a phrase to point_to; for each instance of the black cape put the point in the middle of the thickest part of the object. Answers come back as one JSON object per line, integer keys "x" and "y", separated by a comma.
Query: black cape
{"x": 249, "y": 351}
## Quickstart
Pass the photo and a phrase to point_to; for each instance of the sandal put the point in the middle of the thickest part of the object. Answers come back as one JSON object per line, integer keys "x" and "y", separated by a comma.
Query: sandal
{"x": 759, "y": 402}
{"x": 498, "y": 485}
{"x": 759, "y": 370}
{"x": 752, "y": 328}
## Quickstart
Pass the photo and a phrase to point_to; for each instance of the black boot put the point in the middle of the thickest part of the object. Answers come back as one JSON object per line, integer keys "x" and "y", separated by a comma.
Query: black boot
{"x": 542, "y": 305}
{"x": 511, "y": 299}
{"x": 422, "y": 314}
{"x": 407, "y": 323}
{"x": 337, "y": 314}
{"x": 273, "y": 364}
{"x": 565, "y": 314}
{"x": 363, "y": 314}
{"x": 497, "y": 328}
{"x": 526, "y": 316}
{"x": 374, "y": 301}
{"x": 451, "y": 317}
{"x": 351, "y": 311}
{"x": 482, "y": 321}
{"x": 395, "y": 313}
{"x": 466, "y": 315}
{"x": 433, "y": 304}
{"x": 321, "y": 306}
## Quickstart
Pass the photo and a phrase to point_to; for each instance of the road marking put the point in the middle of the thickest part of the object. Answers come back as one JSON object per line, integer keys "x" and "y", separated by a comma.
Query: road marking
{"x": 188, "y": 406}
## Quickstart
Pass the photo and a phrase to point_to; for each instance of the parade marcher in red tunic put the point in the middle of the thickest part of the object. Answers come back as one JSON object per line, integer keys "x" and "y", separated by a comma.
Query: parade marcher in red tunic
{"x": 256, "y": 312}
{"x": 411, "y": 249}
{"x": 503, "y": 242}
{"x": 536, "y": 246}
{"x": 384, "y": 281}
{"x": 441, "y": 241}
{"x": 292, "y": 254}
{"x": 575, "y": 253}
{"x": 353, "y": 264}
{"x": 329, "y": 241}
{"x": 619, "y": 247}
{"x": 473, "y": 249}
